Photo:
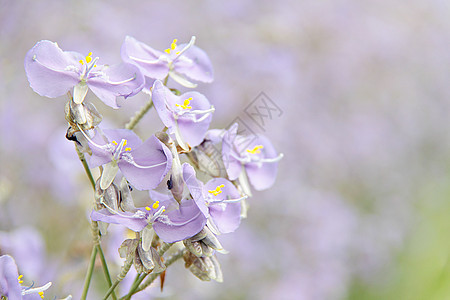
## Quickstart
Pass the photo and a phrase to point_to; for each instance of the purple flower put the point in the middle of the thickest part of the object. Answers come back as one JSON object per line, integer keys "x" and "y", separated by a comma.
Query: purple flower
{"x": 10, "y": 282}
{"x": 218, "y": 199}
{"x": 144, "y": 165}
{"x": 177, "y": 62}
{"x": 52, "y": 72}
{"x": 187, "y": 116}
{"x": 171, "y": 222}
{"x": 254, "y": 154}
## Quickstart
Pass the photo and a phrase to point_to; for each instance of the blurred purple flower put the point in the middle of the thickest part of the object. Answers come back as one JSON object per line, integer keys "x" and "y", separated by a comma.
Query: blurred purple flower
{"x": 52, "y": 72}
{"x": 10, "y": 282}
{"x": 177, "y": 62}
{"x": 144, "y": 165}
{"x": 187, "y": 116}
{"x": 218, "y": 200}
{"x": 254, "y": 154}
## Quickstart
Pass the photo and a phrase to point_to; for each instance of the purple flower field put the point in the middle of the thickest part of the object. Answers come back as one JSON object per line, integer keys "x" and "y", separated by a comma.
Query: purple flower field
{"x": 334, "y": 184}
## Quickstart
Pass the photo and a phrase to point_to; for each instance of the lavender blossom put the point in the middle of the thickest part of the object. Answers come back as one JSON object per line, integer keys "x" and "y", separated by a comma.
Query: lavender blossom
{"x": 177, "y": 62}
{"x": 187, "y": 116}
{"x": 253, "y": 154}
{"x": 218, "y": 199}
{"x": 144, "y": 165}
{"x": 10, "y": 282}
{"x": 52, "y": 72}
{"x": 171, "y": 222}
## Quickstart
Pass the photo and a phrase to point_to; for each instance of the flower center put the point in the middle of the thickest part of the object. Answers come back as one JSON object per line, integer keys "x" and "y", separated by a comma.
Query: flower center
{"x": 217, "y": 191}
{"x": 185, "y": 104}
{"x": 256, "y": 149}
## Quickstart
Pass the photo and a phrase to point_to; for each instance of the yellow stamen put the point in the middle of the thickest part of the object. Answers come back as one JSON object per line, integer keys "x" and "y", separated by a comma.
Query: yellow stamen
{"x": 114, "y": 142}
{"x": 164, "y": 210}
{"x": 20, "y": 279}
{"x": 256, "y": 149}
{"x": 41, "y": 294}
{"x": 89, "y": 57}
{"x": 174, "y": 44}
{"x": 155, "y": 205}
{"x": 81, "y": 62}
{"x": 125, "y": 142}
{"x": 185, "y": 104}
{"x": 167, "y": 50}
{"x": 147, "y": 208}
{"x": 127, "y": 149}
{"x": 217, "y": 191}
{"x": 178, "y": 52}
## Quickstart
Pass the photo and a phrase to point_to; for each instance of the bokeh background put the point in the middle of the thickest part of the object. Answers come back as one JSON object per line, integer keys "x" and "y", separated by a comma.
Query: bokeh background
{"x": 360, "y": 209}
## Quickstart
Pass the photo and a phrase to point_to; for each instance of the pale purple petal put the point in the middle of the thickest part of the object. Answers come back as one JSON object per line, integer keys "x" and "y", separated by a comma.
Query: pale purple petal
{"x": 197, "y": 66}
{"x": 195, "y": 187}
{"x": 110, "y": 82}
{"x": 133, "y": 141}
{"x": 181, "y": 223}
{"x": 159, "y": 96}
{"x": 146, "y": 58}
{"x": 263, "y": 176}
{"x": 232, "y": 165}
{"x": 51, "y": 71}
{"x": 151, "y": 152}
{"x": 191, "y": 129}
{"x": 125, "y": 218}
{"x": 226, "y": 217}
{"x": 100, "y": 156}
{"x": 9, "y": 284}
{"x": 193, "y": 132}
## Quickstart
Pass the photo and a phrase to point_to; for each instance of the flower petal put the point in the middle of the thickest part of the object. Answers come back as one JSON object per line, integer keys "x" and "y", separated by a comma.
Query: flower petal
{"x": 195, "y": 187}
{"x": 180, "y": 224}
{"x": 226, "y": 216}
{"x": 262, "y": 176}
{"x": 110, "y": 82}
{"x": 151, "y": 153}
{"x": 146, "y": 58}
{"x": 51, "y": 71}
{"x": 197, "y": 66}
{"x": 9, "y": 284}
{"x": 125, "y": 218}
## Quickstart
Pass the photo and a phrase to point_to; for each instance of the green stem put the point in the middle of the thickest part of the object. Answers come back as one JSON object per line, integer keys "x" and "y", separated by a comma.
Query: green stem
{"x": 123, "y": 272}
{"x": 106, "y": 271}
{"x": 85, "y": 165}
{"x": 97, "y": 246}
{"x": 139, "y": 115}
{"x": 87, "y": 280}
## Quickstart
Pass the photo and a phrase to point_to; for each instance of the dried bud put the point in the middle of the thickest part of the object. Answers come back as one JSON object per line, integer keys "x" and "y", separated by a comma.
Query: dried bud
{"x": 84, "y": 115}
{"x": 203, "y": 243}
{"x": 108, "y": 198}
{"x": 208, "y": 158}
{"x": 144, "y": 261}
{"x": 204, "y": 268}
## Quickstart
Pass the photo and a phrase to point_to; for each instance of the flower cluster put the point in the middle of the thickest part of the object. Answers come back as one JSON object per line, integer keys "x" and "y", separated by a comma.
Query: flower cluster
{"x": 198, "y": 180}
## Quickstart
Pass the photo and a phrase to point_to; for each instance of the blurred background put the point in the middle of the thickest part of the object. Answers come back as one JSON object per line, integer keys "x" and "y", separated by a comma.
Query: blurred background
{"x": 360, "y": 209}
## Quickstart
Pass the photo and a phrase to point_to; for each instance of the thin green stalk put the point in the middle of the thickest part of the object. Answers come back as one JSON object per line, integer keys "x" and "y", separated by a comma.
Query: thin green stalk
{"x": 123, "y": 272}
{"x": 139, "y": 115}
{"x": 97, "y": 246}
{"x": 85, "y": 165}
{"x": 106, "y": 271}
{"x": 87, "y": 280}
